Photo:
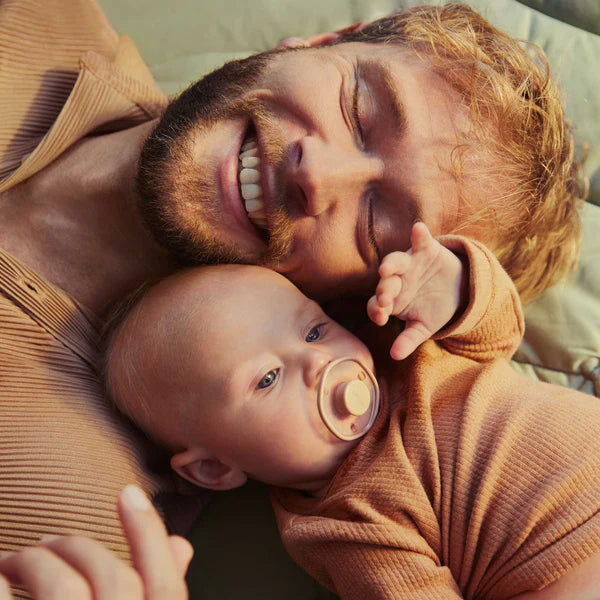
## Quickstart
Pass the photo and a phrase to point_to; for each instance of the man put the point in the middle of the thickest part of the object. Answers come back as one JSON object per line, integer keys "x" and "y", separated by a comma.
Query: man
{"x": 431, "y": 114}
{"x": 378, "y": 88}
{"x": 337, "y": 192}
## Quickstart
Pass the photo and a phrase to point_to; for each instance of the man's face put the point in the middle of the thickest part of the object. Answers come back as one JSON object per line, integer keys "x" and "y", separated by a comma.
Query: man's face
{"x": 353, "y": 144}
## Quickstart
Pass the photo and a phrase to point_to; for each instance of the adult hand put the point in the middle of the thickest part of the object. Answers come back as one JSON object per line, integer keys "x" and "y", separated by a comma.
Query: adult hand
{"x": 423, "y": 287}
{"x": 78, "y": 568}
{"x": 320, "y": 39}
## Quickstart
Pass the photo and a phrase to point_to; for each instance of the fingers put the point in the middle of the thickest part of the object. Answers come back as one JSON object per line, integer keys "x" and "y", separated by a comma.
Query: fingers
{"x": 182, "y": 553}
{"x": 409, "y": 289}
{"x": 5, "y": 590}
{"x": 320, "y": 39}
{"x": 150, "y": 547}
{"x": 378, "y": 315}
{"x": 394, "y": 263}
{"x": 387, "y": 292}
{"x": 401, "y": 277}
{"x": 109, "y": 577}
{"x": 292, "y": 42}
{"x": 420, "y": 237}
{"x": 383, "y": 303}
{"x": 72, "y": 567}
{"x": 78, "y": 568}
{"x": 45, "y": 575}
{"x": 398, "y": 263}
{"x": 409, "y": 340}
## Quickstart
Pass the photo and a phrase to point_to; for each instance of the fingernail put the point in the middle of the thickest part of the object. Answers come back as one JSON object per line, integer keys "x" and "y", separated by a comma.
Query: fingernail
{"x": 135, "y": 498}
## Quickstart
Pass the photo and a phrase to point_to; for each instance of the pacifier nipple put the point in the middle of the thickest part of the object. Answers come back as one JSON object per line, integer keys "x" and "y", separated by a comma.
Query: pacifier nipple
{"x": 354, "y": 397}
{"x": 348, "y": 398}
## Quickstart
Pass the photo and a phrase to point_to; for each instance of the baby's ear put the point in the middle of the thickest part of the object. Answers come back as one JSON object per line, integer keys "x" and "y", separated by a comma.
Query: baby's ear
{"x": 203, "y": 469}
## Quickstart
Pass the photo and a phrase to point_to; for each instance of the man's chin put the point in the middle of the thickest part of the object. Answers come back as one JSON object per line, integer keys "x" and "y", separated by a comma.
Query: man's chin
{"x": 204, "y": 254}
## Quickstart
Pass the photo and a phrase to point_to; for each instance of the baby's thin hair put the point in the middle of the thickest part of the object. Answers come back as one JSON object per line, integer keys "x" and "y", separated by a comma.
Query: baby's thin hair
{"x": 113, "y": 325}
{"x": 122, "y": 372}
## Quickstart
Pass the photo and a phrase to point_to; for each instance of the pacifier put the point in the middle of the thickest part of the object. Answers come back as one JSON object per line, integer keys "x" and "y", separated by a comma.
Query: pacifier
{"x": 348, "y": 398}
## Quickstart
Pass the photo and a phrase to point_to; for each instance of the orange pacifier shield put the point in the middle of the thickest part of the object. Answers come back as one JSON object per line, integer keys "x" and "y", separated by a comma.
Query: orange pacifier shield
{"x": 348, "y": 398}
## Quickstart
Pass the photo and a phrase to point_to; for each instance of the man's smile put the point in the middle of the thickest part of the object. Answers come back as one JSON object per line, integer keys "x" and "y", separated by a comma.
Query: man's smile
{"x": 250, "y": 182}
{"x": 234, "y": 190}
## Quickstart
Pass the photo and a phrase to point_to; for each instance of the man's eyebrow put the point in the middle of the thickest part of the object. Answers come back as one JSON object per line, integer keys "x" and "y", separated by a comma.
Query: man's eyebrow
{"x": 380, "y": 74}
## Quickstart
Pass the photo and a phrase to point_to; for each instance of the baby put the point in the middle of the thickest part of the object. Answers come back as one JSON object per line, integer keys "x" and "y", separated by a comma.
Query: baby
{"x": 451, "y": 476}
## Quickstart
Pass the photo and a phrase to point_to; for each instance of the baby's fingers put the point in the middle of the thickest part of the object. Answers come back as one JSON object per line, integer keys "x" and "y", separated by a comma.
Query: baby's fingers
{"x": 414, "y": 334}
{"x": 394, "y": 263}
{"x": 387, "y": 291}
{"x": 381, "y": 305}
{"x": 420, "y": 237}
{"x": 376, "y": 313}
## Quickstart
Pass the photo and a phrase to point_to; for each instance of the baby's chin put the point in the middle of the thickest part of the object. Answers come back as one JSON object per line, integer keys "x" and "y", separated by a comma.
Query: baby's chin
{"x": 319, "y": 487}
{"x": 311, "y": 480}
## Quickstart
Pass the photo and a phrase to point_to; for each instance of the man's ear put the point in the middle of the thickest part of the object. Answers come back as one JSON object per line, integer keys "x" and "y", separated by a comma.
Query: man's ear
{"x": 319, "y": 39}
{"x": 203, "y": 469}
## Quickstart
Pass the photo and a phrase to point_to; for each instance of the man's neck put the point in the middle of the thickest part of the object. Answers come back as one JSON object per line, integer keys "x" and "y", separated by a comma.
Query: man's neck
{"x": 76, "y": 223}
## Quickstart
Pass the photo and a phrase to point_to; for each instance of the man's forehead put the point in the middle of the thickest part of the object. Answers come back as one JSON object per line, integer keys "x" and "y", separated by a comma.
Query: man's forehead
{"x": 377, "y": 52}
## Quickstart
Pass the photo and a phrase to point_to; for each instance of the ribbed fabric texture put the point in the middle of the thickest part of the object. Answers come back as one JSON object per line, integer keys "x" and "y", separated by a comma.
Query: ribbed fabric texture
{"x": 64, "y": 456}
{"x": 64, "y": 73}
{"x": 64, "y": 453}
{"x": 474, "y": 481}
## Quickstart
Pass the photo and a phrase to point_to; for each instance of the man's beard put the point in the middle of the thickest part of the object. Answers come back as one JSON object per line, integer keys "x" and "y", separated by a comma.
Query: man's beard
{"x": 177, "y": 198}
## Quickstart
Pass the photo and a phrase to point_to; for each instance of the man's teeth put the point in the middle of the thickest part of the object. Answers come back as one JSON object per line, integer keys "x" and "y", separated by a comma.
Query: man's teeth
{"x": 250, "y": 161}
{"x": 250, "y": 188}
{"x": 249, "y": 176}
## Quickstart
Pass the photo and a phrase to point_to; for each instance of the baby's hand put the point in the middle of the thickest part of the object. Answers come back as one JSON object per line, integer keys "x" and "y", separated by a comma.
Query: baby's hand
{"x": 421, "y": 286}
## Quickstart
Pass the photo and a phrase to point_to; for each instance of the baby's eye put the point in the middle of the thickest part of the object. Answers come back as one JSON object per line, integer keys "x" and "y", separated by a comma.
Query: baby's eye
{"x": 314, "y": 334}
{"x": 268, "y": 380}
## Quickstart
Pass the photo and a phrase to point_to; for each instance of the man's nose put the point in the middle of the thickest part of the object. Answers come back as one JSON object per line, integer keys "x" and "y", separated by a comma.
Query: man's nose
{"x": 315, "y": 360}
{"x": 327, "y": 174}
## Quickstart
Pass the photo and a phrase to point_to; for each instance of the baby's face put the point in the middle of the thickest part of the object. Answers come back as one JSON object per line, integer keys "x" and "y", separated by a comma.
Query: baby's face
{"x": 260, "y": 356}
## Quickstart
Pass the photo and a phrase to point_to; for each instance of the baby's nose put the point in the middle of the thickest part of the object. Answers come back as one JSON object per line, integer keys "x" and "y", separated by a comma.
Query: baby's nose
{"x": 316, "y": 360}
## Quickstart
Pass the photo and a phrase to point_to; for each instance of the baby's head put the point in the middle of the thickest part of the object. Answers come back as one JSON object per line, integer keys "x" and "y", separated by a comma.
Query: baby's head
{"x": 222, "y": 365}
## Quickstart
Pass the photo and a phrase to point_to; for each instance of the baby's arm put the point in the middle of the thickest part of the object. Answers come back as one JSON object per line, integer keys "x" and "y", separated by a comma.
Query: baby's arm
{"x": 425, "y": 287}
